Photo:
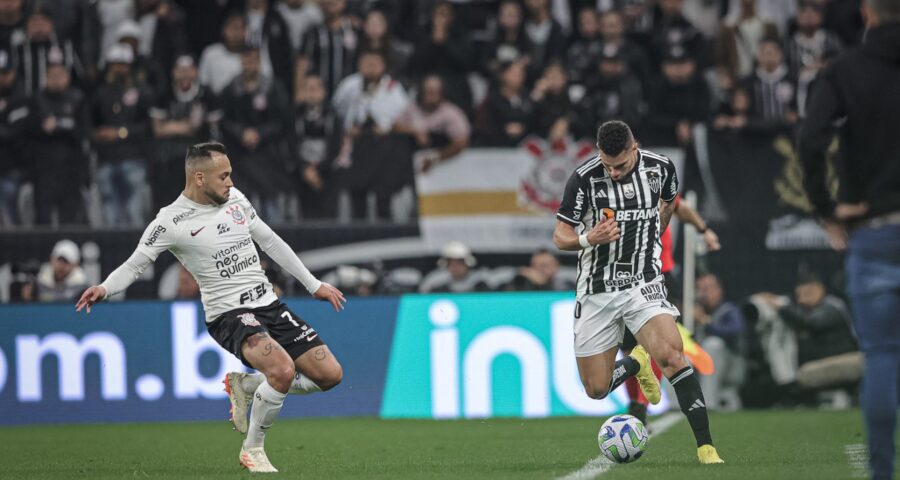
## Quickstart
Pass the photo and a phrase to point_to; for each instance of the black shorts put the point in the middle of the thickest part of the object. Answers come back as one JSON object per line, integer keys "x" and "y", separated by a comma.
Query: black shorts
{"x": 284, "y": 326}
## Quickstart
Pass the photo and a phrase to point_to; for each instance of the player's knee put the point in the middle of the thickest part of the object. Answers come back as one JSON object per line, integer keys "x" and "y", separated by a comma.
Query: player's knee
{"x": 281, "y": 376}
{"x": 672, "y": 358}
{"x": 332, "y": 378}
{"x": 597, "y": 391}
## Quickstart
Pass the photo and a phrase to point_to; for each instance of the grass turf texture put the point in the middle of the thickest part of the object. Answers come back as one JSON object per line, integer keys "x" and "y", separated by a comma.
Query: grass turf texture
{"x": 783, "y": 444}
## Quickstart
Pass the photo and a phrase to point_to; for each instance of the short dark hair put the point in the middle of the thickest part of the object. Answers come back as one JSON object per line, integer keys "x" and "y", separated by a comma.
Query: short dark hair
{"x": 613, "y": 137}
{"x": 202, "y": 152}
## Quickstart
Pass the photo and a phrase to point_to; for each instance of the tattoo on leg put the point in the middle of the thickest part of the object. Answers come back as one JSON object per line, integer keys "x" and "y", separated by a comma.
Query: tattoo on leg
{"x": 253, "y": 340}
{"x": 268, "y": 349}
{"x": 321, "y": 353}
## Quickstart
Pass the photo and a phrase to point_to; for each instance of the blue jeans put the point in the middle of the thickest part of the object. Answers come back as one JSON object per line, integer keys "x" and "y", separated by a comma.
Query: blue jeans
{"x": 873, "y": 271}
{"x": 122, "y": 189}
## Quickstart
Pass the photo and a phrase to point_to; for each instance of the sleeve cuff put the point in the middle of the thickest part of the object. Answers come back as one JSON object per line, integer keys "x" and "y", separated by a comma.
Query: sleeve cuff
{"x": 568, "y": 220}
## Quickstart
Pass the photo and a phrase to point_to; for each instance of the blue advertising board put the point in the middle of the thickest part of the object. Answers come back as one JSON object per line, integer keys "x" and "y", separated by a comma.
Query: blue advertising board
{"x": 147, "y": 361}
{"x": 416, "y": 356}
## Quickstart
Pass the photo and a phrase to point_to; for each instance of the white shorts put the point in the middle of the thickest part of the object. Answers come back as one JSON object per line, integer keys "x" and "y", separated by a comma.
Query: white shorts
{"x": 601, "y": 318}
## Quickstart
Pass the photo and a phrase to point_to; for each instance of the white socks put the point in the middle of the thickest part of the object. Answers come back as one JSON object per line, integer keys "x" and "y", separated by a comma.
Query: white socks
{"x": 303, "y": 385}
{"x": 267, "y": 404}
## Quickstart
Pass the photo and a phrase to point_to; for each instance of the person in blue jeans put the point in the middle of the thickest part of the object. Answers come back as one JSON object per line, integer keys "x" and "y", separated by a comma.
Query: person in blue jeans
{"x": 859, "y": 90}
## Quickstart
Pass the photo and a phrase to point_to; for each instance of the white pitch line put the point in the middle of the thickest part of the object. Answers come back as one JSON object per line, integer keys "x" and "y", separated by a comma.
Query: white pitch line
{"x": 600, "y": 465}
{"x": 857, "y": 456}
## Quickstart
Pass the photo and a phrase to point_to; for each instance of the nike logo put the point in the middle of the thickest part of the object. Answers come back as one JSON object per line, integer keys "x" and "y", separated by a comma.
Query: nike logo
{"x": 312, "y": 337}
{"x": 195, "y": 232}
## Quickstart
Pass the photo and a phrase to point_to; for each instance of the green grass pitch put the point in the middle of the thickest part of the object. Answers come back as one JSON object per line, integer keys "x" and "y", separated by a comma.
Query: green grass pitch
{"x": 790, "y": 445}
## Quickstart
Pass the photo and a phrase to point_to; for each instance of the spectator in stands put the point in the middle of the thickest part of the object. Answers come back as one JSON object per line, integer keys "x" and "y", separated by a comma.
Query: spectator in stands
{"x": 721, "y": 333}
{"x": 612, "y": 30}
{"x": 454, "y": 273}
{"x": 145, "y": 70}
{"x": 352, "y": 280}
{"x": 772, "y": 90}
{"x": 582, "y": 54}
{"x": 300, "y": 16}
{"x": 14, "y": 115}
{"x": 163, "y": 34}
{"x": 221, "y": 62}
{"x": 680, "y": 100}
{"x": 183, "y": 114}
{"x": 444, "y": 50}
{"x": 60, "y": 127}
{"x": 372, "y": 160}
{"x": 507, "y": 114}
{"x": 548, "y": 41}
{"x": 331, "y": 48}
{"x": 614, "y": 93}
{"x": 671, "y": 28}
{"x": 552, "y": 108}
{"x": 440, "y": 128}
{"x": 61, "y": 279}
{"x": 828, "y": 355}
{"x": 12, "y": 23}
{"x": 732, "y": 116}
{"x": 809, "y": 48}
{"x": 268, "y": 29}
{"x": 377, "y": 36}
{"x": 111, "y": 13}
{"x": 737, "y": 43}
{"x": 317, "y": 136}
{"x": 119, "y": 115}
{"x": 509, "y": 42}
{"x": 542, "y": 273}
{"x": 40, "y": 47}
{"x": 256, "y": 111}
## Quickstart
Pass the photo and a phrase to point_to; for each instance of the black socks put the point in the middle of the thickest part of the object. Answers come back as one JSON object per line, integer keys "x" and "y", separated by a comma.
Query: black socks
{"x": 690, "y": 398}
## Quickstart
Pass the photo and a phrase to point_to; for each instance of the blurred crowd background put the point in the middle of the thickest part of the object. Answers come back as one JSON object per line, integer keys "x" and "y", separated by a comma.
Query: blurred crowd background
{"x": 329, "y": 108}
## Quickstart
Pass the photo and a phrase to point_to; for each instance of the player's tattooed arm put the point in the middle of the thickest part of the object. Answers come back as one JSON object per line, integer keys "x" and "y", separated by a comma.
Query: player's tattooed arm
{"x": 666, "y": 209}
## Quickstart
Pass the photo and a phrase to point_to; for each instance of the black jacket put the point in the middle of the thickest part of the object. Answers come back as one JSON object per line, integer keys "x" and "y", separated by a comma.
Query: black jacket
{"x": 861, "y": 88}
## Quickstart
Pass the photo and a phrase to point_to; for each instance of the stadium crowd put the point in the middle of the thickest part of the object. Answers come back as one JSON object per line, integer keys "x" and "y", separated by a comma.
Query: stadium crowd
{"x": 328, "y": 107}
{"x": 99, "y": 98}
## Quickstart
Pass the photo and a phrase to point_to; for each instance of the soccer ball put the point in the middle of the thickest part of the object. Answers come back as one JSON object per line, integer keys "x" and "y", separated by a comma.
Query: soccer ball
{"x": 623, "y": 438}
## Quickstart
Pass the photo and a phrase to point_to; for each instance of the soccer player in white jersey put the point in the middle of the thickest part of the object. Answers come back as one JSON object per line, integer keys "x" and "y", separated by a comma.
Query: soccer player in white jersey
{"x": 210, "y": 229}
{"x": 612, "y": 213}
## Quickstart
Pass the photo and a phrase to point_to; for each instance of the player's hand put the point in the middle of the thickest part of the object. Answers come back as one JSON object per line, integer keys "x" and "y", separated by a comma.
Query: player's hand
{"x": 607, "y": 231}
{"x": 90, "y": 296}
{"x": 328, "y": 293}
{"x": 712, "y": 240}
{"x": 850, "y": 211}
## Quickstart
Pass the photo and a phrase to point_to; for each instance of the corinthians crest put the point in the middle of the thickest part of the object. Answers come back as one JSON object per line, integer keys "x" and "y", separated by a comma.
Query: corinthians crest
{"x": 249, "y": 319}
{"x": 543, "y": 187}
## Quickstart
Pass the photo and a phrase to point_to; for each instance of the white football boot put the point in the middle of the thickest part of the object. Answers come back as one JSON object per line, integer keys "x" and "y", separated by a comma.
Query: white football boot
{"x": 255, "y": 460}
{"x": 240, "y": 400}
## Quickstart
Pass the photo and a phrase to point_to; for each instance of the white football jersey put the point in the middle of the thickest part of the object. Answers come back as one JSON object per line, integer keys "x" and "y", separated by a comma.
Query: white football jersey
{"x": 214, "y": 243}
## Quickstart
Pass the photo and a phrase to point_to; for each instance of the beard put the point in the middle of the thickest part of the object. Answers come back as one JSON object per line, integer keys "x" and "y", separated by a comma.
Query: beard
{"x": 219, "y": 199}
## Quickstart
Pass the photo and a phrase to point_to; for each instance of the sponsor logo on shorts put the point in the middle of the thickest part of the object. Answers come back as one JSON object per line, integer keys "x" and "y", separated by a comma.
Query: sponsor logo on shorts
{"x": 308, "y": 333}
{"x": 249, "y": 319}
{"x": 653, "y": 292}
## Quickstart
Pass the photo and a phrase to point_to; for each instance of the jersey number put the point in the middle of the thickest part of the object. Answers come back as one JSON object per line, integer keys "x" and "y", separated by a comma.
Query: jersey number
{"x": 289, "y": 318}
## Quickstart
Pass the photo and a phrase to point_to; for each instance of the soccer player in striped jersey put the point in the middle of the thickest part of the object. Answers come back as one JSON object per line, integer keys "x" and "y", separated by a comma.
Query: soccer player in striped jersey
{"x": 613, "y": 211}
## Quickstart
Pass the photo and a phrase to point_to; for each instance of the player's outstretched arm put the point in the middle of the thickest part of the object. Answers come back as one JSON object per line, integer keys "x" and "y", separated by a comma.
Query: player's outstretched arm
{"x": 90, "y": 296}
{"x": 330, "y": 294}
{"x": 117, "y": 281}
{"x": 686, "y": 213}
{"x": 284, "y": 255}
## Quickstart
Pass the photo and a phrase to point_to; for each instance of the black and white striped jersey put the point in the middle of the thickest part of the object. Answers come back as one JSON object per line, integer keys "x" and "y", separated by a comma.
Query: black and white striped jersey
{"x": 591, "y": 194}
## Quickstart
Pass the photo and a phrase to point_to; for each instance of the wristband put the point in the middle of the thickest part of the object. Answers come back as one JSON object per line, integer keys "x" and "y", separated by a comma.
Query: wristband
{"x": 583, "y": 241}
{"x": 703, "y": 230}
